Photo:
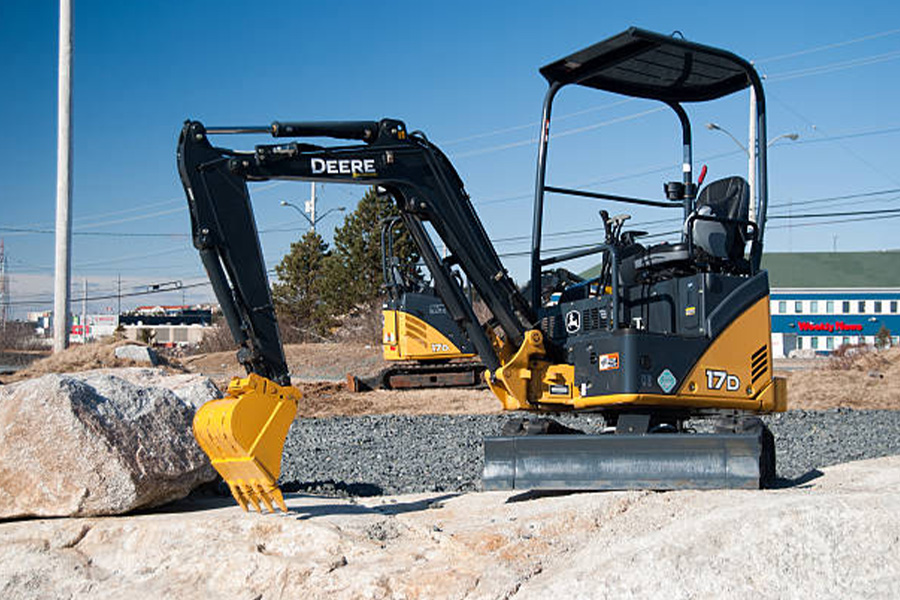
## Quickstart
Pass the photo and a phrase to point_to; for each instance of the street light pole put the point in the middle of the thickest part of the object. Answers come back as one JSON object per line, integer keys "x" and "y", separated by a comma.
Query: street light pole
{"x": 63, "y": 263}
{"x": 751, "y": 156}
{"x": 312, "y": 221}
{"x": 311, "y": 205}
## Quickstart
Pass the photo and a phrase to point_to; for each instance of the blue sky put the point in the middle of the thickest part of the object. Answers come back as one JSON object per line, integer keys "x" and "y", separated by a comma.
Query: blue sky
{"x": 464, "y": 72}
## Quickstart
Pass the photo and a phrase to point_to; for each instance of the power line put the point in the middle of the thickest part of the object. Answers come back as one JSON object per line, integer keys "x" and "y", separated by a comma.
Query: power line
{"x": 568, "y": 132}
{"x": 828, "y": 46}
{"x": 832, "y": 67}
{"x": 850, "y": 213}
{"x": 846, "y": 148}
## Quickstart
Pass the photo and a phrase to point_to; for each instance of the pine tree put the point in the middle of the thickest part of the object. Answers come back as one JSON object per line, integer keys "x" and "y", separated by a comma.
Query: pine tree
{"x": 353, "y": 275}
{"x": 298, "y": 294}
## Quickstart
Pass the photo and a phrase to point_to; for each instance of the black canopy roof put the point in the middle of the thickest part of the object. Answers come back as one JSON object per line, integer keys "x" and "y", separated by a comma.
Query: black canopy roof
{"x": 645, "y": 64}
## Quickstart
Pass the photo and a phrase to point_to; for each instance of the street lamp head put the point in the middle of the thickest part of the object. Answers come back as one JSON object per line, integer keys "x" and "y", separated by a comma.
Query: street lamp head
{"x": 792, "y": 136}
{"x": 342, "y": 208}
{"x": 285, "y": 203}
{"x": 712, "y": 126}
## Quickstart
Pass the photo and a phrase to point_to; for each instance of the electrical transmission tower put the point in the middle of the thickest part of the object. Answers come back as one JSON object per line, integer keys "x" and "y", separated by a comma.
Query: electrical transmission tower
{"x": 4, "y": 288}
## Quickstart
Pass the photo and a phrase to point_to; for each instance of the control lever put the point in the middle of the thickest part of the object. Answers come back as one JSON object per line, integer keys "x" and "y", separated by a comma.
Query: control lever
{"x": 604, "y": 216}
{"x": 702, "y": 176}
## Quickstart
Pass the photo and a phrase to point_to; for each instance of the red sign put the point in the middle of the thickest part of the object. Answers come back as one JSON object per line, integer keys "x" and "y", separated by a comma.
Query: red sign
{"x": 829, "y": 327}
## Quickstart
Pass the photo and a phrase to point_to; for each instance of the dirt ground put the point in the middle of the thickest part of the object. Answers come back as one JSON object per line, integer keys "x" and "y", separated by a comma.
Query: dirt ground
{"x": 870, "y": 380}
{"x": 320, "y": 372}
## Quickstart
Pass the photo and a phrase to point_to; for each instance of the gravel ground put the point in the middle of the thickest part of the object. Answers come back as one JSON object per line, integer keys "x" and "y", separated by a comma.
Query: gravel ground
{"x": 393, "y": 454}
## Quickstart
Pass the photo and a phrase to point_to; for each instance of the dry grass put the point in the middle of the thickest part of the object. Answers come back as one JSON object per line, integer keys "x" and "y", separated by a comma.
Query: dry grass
{"x": 862, "y": 379}
{"x": 96, "y": 355}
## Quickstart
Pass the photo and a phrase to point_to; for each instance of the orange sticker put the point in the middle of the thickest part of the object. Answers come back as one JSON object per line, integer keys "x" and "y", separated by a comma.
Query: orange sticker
{"x": 608, "y": 362}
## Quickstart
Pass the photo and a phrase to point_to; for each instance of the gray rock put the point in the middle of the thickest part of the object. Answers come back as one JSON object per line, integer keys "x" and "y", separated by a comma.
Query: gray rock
{"x": 97, "y": 444}
{"x": 139, "y": 354}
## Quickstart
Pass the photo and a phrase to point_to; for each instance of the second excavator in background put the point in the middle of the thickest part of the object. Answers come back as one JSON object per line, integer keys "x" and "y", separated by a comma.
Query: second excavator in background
{"x": 425, "y": 347}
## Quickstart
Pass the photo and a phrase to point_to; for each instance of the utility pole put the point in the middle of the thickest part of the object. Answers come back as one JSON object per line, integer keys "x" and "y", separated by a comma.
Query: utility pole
{"x": 119, "y": 294}
{"x": 63, "y": 265}
{"x": 311, "y": 206}
{"x": 4, "y": 288}
{"x": 84, "y": 313}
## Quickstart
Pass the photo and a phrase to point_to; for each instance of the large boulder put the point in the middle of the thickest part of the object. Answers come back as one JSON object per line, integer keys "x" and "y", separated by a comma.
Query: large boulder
{"x": 100, "y": 442}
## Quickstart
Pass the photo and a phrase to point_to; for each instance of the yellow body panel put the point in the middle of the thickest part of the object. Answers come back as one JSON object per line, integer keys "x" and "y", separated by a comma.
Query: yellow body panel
{"x": 243, "y": 434}
{"x": 735, "y": 372}
{"x": 405, "y": 337}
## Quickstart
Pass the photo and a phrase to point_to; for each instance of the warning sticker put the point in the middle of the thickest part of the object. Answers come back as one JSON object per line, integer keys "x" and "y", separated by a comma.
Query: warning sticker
{"x": 608, "y": 362}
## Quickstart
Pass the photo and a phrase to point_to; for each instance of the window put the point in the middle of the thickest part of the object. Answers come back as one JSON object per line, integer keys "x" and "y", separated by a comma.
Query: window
{"x": 845, "y": 341}
{"x": 798, "y": 307}
{"x": 878, "y": 306}
{"x": 846, "y": 307}
{"x": 814, "y": 307}
{"x": 829, "y": 307}
{"x": 815, "y": 343}
{"x": 782, "y": 307}
{"x": 862, "y": 306}
{"x": 893, "y": 306}
{"x": 799, "y": 343}
{"x": 829, "y": 343}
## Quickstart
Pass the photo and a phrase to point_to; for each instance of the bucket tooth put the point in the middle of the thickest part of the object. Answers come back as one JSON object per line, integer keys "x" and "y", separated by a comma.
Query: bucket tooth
{"x": 279, "y": 499}
{"x": 264, "y": 497}
{"x": 236, "y": 492}
{"x": 252, "y": 496}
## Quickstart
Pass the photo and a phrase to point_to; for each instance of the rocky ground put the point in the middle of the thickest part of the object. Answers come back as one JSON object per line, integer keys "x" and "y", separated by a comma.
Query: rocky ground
{"x": 836, "y": 536}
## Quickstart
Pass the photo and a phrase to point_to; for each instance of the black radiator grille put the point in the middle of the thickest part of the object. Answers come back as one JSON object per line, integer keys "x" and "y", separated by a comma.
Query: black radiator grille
{"x": 593, "y": 318}
{"x": 759, "y": 363}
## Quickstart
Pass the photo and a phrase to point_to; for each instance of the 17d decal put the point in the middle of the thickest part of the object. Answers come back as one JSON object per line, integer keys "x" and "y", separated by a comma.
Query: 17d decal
{"x": 716, "y": 380}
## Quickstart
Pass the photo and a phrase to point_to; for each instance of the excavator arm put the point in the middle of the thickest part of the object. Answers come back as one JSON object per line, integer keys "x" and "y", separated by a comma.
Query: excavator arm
{"x": 244, "y": 433}
{"x": 424, "y": 184}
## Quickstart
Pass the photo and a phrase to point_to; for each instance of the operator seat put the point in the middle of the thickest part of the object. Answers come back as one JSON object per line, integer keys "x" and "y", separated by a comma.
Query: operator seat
{"x": 727, "y": 198}
{"x": 721, "y": 245}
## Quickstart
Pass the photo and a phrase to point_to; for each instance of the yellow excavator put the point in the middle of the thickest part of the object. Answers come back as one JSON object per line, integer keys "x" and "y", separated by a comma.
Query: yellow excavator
{"x": 664, "y": 334}
{"x": 424, "y": 346}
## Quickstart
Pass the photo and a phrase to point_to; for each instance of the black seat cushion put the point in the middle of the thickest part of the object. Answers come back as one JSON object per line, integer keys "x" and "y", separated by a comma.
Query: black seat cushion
{"x": 662, "y": 255}
{"x": 727, "y": 198}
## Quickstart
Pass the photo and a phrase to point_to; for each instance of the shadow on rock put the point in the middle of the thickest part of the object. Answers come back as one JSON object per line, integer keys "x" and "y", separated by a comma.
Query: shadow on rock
{"x": 798, "y": 482}
{"x": 390, "y": 509}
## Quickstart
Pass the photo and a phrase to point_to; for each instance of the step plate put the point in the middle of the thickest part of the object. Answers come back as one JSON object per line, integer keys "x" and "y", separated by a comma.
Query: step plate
{"x": 622, "y": 462}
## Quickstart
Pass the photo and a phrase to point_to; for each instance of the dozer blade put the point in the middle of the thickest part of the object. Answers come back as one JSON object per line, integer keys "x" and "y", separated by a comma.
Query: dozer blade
{"x": 243, "y": 434}
{"x": 628, "y": 462}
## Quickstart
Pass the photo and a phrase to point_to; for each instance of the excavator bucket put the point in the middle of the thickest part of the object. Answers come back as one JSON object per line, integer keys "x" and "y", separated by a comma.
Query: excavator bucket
{"x": 243, "y": 434}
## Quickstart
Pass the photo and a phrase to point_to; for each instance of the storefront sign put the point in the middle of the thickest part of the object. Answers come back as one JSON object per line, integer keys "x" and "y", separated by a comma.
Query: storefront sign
{"x": 829, "y": 327}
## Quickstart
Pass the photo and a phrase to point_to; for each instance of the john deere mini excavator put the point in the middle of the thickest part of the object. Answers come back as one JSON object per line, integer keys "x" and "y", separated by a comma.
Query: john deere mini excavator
{"x": 425, "y": 347}
{"x": 664, "y": 333}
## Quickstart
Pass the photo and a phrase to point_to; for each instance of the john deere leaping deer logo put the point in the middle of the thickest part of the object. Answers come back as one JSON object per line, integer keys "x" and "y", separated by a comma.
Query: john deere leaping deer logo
{"x": 573, "y": 321}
